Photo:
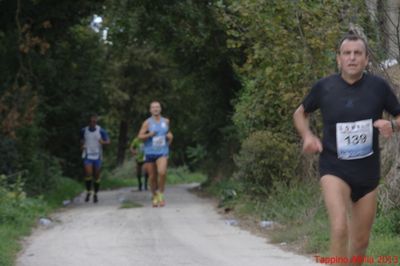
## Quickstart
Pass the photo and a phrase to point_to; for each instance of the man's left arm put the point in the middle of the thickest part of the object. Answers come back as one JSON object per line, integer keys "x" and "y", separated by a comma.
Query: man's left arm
{"x": 388, "y": 127}
{"x": 392, "y": 106}
{"x": 170, "y": 136}
{"x": 104, "y": 137}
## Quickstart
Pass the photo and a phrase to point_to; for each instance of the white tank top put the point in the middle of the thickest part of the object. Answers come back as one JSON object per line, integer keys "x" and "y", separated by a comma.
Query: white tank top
{"x": 92, "y": 147}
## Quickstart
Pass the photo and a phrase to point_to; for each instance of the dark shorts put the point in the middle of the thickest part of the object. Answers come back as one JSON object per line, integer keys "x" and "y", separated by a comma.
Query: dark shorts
{"x": 359, "y": 188}
{"x": 95, "y": 163}
{"x": 152, "y": 158}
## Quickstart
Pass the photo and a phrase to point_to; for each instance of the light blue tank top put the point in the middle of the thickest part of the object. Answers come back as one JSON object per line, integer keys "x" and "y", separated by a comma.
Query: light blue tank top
{"x": 158, "y": 144}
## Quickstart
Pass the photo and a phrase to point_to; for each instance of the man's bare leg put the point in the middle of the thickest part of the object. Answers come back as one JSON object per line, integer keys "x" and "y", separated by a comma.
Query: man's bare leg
{"x": 152, "y": 172}
{"x": 162, "y": 164}
{"x": 96, "y": 183}
{"x": 362, "y": 217}
{"x": 337, "y": 201}
{"x": 88, "y": 180}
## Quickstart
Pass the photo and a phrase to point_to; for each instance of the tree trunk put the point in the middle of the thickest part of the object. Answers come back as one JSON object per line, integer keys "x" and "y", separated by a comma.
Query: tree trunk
{"x": 386, "y": 14}
{"x": 392, "y": 25}
{"x": 122, "y": 141}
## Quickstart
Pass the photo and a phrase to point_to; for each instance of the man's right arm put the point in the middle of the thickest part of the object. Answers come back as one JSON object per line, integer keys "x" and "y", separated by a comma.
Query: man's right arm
{"x": 143, "y": 132}
{"x": 311, "y": 143}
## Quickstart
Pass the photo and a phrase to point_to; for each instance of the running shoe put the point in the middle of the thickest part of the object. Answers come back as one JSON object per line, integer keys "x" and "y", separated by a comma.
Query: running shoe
{"x": 155, "y": 201}
{"x": 161, "y": 199}
{"x": 95, "y": 199}
{"x": 87, "y": 198}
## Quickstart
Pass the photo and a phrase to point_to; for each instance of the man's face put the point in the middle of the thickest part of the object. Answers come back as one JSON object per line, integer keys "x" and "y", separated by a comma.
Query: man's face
{"x": 352, "y": 59}
{"x": 93, "y": 121}
{"x": 155, "y": 108}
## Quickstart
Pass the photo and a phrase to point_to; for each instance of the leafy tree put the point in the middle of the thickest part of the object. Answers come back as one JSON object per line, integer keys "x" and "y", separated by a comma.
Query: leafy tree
{"x": 286, "y": 46}
{"x": 72, "y": 87}
{"x": 194, "y": 72}
{"x": 31, "y": 33}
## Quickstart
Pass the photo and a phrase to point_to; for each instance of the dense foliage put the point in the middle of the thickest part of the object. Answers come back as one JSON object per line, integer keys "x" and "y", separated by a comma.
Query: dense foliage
{"x": 229, "y": 74}
{"x": 51, "y": 75}
{"x": 175, "y": 52}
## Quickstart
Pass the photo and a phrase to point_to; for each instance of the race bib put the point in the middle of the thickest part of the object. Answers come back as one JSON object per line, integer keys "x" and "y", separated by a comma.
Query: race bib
{"x": 354, "y": 139}
{"x": 158, "y": 141}
{"x": 93, "y": 153}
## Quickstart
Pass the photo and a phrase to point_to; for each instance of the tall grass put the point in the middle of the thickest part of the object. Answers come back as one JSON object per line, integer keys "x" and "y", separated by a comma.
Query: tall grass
{"x": 299, "y": 209}
{"x": 19, "y": 214}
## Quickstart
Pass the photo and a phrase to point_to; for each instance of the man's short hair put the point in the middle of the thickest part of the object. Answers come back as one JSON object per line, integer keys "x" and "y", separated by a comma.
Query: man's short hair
{"x": 352, "y": 36}
{"x": 155, "y": 101}
{"x": 93, "y": 115}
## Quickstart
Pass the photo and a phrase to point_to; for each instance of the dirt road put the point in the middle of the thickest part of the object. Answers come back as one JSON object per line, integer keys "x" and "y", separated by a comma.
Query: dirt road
{"x": 188, "y": 231}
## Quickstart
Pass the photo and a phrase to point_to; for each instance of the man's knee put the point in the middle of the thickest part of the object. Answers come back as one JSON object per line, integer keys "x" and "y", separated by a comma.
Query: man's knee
{"x": 88, "y": 171}
{"x": 340, "y": 230}
{"x": 360, "y": 243}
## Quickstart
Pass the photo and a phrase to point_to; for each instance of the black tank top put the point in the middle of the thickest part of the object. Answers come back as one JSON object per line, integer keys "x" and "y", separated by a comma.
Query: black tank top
{"x": 340, "y": 102}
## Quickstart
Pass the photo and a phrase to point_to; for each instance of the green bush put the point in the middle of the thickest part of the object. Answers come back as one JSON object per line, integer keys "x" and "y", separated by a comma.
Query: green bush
{"x": 63, "y": 189}
{"x": 9, "y": 155}
{"x": 11, "y": 198}
{"x": 296, "y": 203}
{"x": 230, "y": 192}
{"x": 15, "y": 206}
{"x": 196, "y": 154}
{"x": 19, "y": 213}
{"x": 388, "y": 222}
{"x": 42, "y": 173}
{"x": 265, "y": 157}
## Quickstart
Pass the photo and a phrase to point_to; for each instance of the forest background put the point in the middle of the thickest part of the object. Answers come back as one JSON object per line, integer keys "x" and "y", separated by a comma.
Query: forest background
{"x": 229, "y": 74}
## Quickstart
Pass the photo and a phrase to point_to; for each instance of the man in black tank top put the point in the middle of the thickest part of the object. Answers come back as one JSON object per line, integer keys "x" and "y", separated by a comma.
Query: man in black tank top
{"x": 351, "y": 104}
